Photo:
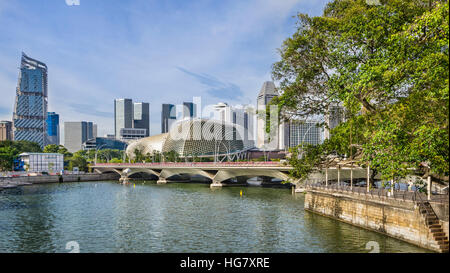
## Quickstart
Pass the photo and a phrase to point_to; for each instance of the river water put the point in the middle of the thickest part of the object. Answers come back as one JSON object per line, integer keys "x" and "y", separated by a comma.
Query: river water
{"x": 179, "y": 217}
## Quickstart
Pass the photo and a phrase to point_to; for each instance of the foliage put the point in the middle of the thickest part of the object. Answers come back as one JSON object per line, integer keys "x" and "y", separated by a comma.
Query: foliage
{"x": 9, "y": 150}
{"x": 388, "y": 66}
{"x": 304, "y": 161}
{"x": 60, "y": 149}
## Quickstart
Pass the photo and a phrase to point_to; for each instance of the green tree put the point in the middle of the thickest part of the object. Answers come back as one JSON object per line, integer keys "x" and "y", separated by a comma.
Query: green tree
{"x": 388, "y": 65}
{"x": 9, "y": 150}
{"x": 60, "y": 149}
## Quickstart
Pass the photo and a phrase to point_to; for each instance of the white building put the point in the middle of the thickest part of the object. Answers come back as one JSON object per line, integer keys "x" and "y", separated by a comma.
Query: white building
{"x": 244, "y": 116}
{"x": 277, "y": 139}
{"x": 43, "y": 162}
{"x": 303, "y": 132}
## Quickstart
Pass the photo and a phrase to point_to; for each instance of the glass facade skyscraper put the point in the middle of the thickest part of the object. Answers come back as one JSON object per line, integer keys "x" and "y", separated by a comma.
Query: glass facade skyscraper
{"x": 142, "y": 116}
{"x": 168, "y": 117}
{"x": 189, "y": 110}
{"x": 123, "y": 115}
{"x": 30, "y": 107}
{"x": 52, "y": 128}
{"x": 307, "y": 132}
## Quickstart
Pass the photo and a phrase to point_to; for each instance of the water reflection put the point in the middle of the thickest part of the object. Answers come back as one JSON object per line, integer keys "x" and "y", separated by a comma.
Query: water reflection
{"x": 109, "y": 217}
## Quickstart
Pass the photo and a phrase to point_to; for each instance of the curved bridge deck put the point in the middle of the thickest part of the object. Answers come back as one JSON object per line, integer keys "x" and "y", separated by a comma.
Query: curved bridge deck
{"x": 217, "y": 172}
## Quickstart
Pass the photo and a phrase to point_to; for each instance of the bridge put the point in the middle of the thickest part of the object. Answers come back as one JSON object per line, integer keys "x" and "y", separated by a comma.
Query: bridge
{"x": 218, "y": 172}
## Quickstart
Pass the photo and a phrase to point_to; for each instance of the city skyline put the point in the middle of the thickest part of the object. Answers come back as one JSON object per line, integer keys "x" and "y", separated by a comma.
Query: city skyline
{"x": 236, "y": 57}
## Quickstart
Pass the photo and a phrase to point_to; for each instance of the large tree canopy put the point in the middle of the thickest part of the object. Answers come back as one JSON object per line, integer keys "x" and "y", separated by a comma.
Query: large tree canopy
{"x": 387, "y": 65}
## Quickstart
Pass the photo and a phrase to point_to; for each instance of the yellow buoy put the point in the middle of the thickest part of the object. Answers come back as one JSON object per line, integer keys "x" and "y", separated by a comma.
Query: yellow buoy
{"x": 240, "y": 193}
{"x": 134, "y": 185}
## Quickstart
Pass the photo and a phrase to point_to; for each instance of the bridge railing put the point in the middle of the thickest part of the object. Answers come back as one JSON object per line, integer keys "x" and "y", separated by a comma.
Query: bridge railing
{"x": 193, "y": 164}
{"x": 380, "y": 193}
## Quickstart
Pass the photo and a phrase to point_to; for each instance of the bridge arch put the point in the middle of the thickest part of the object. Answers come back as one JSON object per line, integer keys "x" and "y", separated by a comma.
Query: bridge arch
{"x": 223, "y": 175}
{"x": 109, "y": 170}
{"x": 142, "y": 170}
{"x": 167, "y": 173}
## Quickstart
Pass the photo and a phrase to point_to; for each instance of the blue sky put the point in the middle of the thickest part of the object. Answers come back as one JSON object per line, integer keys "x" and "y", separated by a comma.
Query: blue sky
{"x": 157, "y": 51}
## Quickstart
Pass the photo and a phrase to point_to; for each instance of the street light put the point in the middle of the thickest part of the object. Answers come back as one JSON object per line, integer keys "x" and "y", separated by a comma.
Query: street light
{"x": 96, "y": 151}
{"x": 124, "y": 152}
{"x": 303, "y": 137}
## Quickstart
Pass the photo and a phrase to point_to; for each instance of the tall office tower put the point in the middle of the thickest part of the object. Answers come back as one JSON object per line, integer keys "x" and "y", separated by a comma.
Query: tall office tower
{"x": 306, "y": 132}
{"x": 5, "y": 130}
{"x": 266, "y": 94}
{"x": 189, "y": 110}
{"x": 30, "y": 107}
{"x": 141, "y": 118}
{"x": 242, "y": 116}
{"x": 76, "y": 133}
{"x": 123, "y": 115}
{"x": 334, "y": 116}
{"x": 168, "y": 117}
{"x": 52, "y": 128}
{"x": 94, "y": 131}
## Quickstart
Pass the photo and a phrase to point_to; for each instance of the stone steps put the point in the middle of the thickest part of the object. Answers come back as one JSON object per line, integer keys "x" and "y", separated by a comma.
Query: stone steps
{"x": 434, "y": 226}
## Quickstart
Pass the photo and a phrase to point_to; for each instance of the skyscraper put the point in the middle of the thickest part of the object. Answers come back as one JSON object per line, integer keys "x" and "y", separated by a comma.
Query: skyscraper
{"x": 52, "y": 128}
{"x": 76, "y": 133}
{"x": 5, "y": 130}
{"x": 123, "y": 115}
{"x": 242, "y": 116}
{"x": 277, "y": 136}
{"x": 335, "y": 115}
{"x": 303, "y": 132}
{"x": 168, "y": 117}
{"x": 189, "y": 110}
{"x": 30, "y": 107}
{"x": 141, "y": 118}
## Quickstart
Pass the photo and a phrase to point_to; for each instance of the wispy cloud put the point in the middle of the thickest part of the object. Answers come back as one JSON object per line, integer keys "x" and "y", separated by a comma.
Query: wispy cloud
{"x": 216, "y": 88}
{"x": 102, "y": 50}
{"x": 89, "y": 109}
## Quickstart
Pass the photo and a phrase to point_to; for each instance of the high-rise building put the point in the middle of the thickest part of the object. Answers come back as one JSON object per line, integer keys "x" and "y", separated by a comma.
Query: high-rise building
{"x": 94, "y": 131}
{"x": 241, "y": 116}
{"x": 30, "y": 107}
{"x": 141, "y": 118}
{"x": 168, "y": 117}
{"x": 76, "y": 133}
{"x": 5, "y": 130}
{"x": 306, "y": 132}
{"x": 132, "y": 133}
{"x": 334, "y": 116}
{"x": 276, "y": 138}
{"x": 189, "y": 110}
{"x": 52, "y": 128}
{"x": 123, "y": 115}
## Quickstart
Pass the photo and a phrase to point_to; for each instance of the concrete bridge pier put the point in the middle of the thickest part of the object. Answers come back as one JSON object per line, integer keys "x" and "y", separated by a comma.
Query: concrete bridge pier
{"x": 124, "y": 178}
{"x": 299, "y": 187}
{"x": 215, "y": 184}
{"x": 161, "y": 180}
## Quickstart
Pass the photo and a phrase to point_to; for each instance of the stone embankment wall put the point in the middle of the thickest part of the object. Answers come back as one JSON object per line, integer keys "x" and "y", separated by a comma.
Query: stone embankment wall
{"x": 396, "y": 218}
{"x": 56, "y": 178}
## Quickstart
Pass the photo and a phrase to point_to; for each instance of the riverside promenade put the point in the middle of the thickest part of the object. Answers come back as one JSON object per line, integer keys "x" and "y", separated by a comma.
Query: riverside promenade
{"x": 406, "y": 215}
{"x": 17, "y": 181}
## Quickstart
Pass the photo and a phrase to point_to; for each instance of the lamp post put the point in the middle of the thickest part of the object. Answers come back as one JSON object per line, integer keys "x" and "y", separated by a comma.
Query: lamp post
{"x": 96, "y": 151}
{"x": 303, "y": 137}
{"x": 124, "y": 152}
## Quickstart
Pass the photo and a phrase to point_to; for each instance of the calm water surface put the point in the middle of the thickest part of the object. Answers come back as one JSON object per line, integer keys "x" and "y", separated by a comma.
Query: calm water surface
{"x": 109, "y": 217}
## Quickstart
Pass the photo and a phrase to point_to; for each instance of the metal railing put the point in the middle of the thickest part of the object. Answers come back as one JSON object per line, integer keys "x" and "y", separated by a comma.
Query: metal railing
{"x": 196, "y": 164}
{"x": 380, "y": 193}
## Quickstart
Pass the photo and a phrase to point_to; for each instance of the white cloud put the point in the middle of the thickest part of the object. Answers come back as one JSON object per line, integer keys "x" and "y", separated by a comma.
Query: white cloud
{"x": 134, "y": 52}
